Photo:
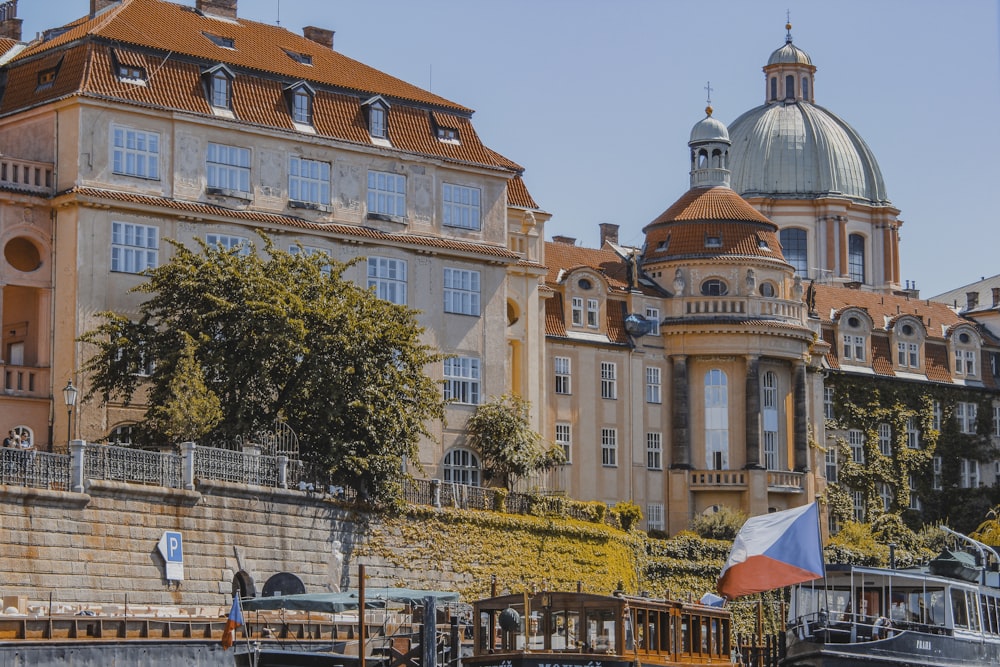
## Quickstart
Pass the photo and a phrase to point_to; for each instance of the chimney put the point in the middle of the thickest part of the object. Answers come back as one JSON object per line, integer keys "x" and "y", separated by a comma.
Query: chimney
{"x": 971, "y": 300}
{"x": 10, "y": 25}
{"x": 609, "y": 233}
{"x": 996, "y": 297}
{"x": 568, "y": 240}
{"x": 224, "y": 8}
{"x": 98, "y": 6}
{"x": 321, "y": 36}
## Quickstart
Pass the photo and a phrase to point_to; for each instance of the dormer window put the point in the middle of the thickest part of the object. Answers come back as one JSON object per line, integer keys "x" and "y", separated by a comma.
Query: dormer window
{"x": 218, "y": 40}
{"x": 300, "y": 102}
{"x": 378, "y": 117}
{"x": 448, "y": 134}
{"x": 966, "y": 350}
{"x": 712, "y": 241}
{"x": 908, "y": 337}
{"x": 301, "y": 58}
{"x": 219, "y": 82}
{"x": 131, "y": 74}
{"x": 854, "y": 339}
{"x": 46, "y": 78}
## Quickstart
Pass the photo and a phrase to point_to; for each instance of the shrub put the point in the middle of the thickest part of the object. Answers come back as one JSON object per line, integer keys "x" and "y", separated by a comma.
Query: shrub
{"x": 723, "y": 524}
{"x": 628, "y": 514}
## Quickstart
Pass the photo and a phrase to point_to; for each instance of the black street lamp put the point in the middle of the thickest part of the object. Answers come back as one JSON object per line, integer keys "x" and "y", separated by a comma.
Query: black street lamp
{"x": 69, "y": 396}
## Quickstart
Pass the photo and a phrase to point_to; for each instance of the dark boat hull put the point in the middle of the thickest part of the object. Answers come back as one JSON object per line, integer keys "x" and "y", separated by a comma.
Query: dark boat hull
{"x": 547, "y": 659}
{"x": 905, "y": 649}
{"x": 276, "y": 656}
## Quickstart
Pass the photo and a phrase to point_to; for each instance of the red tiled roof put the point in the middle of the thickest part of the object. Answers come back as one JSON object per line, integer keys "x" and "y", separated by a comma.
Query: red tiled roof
{"x": 518, "y": 195}
{"x": 689, "y": 240}
{"x": 616, "y": 322}
{"x": 555, "y": 319}
{"x": 210, "y": 210}
{"x": 718, "y": 203}
{"x": 563, "y": 256}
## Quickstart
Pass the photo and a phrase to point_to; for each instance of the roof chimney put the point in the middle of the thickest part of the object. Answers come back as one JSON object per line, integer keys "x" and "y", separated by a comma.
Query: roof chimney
{"x": 609, "y": 233}
{"x": 224, "y": 8}
{"x": 98, "y": 6}
{"x": 996, "y": 297}
{"x": 971, "y": 300}
{"x": 568, "y": 240}
{"x": 321, "y": 36}
{"x": 10, "y": 25}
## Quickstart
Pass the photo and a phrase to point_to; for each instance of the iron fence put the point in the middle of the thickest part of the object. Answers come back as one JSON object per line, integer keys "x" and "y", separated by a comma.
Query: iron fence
{"x": 38, "y": 470}
{"x": 137, "y": 466}
{"x": 236, "y": 467}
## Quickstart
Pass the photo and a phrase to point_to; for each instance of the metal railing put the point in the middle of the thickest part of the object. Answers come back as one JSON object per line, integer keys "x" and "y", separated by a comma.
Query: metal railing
{"x": 124, "y": 464}
{"x": 236, "y": 467}
{"x": 37, "y": 470}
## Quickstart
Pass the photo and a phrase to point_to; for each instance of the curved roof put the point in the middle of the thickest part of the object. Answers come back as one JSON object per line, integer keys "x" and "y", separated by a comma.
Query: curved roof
{"x": 789, "y": 54}
{"x": 709, "y": 129}
{"x": 801, "y": 150}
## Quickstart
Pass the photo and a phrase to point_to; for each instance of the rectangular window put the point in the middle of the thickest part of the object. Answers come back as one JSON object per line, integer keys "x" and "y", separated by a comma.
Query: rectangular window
{"x": 564, "y": 439}
{"x": 653, "y": 393}
{"x": 915, "y": 503}
{"x": 771, "y": 450}
{"x": 996, "y": 421}
{"x": 461, "y": 380}
{"x": 134, "y": 248}
{"x": 970, "y": 363}
{"x": 309, "y": 181}
{"x": 135, "y": 152}
{"x": 653, "y": 317}
{"x": 936, "y": 423}
{"x": 225, "y": 242}
{"x": 609, "y": 380}
{"x": 965, "y": 414}
{"x": 609, "y": 447}
{"x": 577, "y": 311}
{"x": 228, "y": 168}
{"x": 936, "y": 482}
{"x": 969, "y": 474}
{"x": 460, "y": 206}
{"x": 377, "y": 126}
{"x": 563, "y": 385}
{"x": 654, "y": 451}
{"x": 654, "y": 519}
{"x": 856, "y": 438}
{"x": 831, "y": 465}
{"x": 592, "y": 313}
{"x": 858, "y": 500}
{"x": 885, "y": 439}
{"x": 828, "y": 395}
{"x": 461, "y": 291}
{"x": 388, "y": 277}
{"x": 912, "y": 434}
{"x": 302, "y": 107}
{"x": 222, "y": 91}
{"x": 386, "y": 194}
{"x": 908, "y": 355}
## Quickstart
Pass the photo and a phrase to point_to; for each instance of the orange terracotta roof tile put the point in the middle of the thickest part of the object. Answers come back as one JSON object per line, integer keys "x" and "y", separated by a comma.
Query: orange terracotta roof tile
{"x": 617, "y": 311}
{"x": 685, "y": 240}
{"x": 563, "y": 256}
{"x": 518, "y": 195}
{"x": 881, "y": 356}
{"x": 555, "y": 319}
{"x": 201, "y": 209}
{"x": 831, "y": 300}
{"x": 179, "y": 29}
{"x": 717, "y": 203}
{"x": 936, "y": 359}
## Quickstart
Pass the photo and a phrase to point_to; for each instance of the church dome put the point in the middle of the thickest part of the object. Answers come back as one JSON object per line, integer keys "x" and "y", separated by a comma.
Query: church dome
{"x": 789, "y": 54}
{"x": 709, "y": 129}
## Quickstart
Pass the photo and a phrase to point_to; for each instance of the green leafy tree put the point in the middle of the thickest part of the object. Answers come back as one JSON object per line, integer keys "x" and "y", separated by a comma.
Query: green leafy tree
{"x": 184, "y": 409}
{"x": 500, "y": 429}
{"x": 280, "y": 336}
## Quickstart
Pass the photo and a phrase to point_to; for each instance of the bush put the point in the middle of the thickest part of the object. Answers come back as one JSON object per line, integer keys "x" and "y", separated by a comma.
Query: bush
{"x": 723, "y": 524}
{"x": 628, "y": 514}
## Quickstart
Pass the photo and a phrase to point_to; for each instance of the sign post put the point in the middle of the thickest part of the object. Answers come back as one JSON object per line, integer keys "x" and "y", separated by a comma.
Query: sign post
{"x": 172, "y": 547}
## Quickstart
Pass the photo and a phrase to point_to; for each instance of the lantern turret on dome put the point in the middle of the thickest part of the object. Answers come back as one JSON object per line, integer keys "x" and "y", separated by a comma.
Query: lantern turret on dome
{"x": 710, "y": 146}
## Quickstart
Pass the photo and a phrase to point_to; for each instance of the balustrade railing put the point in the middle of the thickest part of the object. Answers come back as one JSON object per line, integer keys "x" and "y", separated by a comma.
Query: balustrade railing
{"x": 125, "y": 464}
{"x": 736, "y": 306}
{"x": 38, "y": 470}
{"x": 717, "y": 478}
{"x": 784, "y": 480}
{"x": 26, "y": 174}
{"x": 25, "y": 380}
{"x": 236, "y": 467}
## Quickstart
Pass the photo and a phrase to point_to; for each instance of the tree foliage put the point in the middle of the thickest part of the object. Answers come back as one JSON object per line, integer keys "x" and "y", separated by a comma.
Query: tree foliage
{"x": 277, "y": 335}
{"x": 723, "y": 524}
{"x": 501, "y": 431}
{"x": 185, "y": 409}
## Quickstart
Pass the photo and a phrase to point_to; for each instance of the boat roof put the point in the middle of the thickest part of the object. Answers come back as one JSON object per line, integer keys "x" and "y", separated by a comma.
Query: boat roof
{"x": 921, "y": 573}
{"x": 375, "y": 598}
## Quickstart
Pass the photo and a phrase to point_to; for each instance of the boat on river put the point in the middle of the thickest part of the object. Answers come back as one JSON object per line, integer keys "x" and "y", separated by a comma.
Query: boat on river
{"x": 946, "y": 614}
{"x": 561, "y": 629}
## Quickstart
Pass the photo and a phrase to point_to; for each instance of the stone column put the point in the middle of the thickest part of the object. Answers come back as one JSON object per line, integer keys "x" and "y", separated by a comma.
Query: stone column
{"x": 801, "y": 431}
{"x": 680, "y": 447}
{"x": 77, "y": 451}
{"x": 842, "y": 236}
{"x": 187, "y": 465}
{"x": 752, "y": 421}
{"x": 283, "y": 472}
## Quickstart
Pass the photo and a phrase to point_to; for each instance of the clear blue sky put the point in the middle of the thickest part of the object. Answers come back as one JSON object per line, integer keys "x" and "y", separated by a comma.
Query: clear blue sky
{"x": 596, "y": 98}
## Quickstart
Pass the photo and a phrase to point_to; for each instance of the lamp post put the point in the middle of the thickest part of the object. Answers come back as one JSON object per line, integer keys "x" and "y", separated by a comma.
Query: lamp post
{"x": 69, "y": 396}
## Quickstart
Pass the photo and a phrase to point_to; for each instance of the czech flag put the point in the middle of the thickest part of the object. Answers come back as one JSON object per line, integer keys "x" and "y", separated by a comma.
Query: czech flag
{"x": 774, "y": 550}
{"x": 234, "y": 621}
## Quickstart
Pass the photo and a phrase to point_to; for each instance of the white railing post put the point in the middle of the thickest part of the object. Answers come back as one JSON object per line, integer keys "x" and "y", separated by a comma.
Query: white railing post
{"x": 187, "y": 465}
{"x": 77, "y": 451}
{"x": 282, "y": 472}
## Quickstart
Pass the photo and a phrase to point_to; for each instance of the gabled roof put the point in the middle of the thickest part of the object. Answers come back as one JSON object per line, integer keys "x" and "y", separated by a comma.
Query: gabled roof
{"x": 563, "y": 257}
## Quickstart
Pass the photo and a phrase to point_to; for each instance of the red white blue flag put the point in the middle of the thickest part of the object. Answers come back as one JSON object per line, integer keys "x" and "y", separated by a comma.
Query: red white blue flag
{"x": 234, "y": 621}
{"x": 774, "y": 550}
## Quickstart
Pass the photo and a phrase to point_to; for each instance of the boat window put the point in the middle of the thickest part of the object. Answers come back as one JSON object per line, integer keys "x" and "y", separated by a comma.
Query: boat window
{"x": 652, "y": 632}
{"x": 714, "y": 647}
{"x": 686, "y": 633}
{"x": 871, "y": 605}
{"x": 565, "y": 630}
{"x": 601, "y": 630}
{"x": 666, "y": 632}
{"x": 536, "y": 640}
{"x": 964, "y": 609}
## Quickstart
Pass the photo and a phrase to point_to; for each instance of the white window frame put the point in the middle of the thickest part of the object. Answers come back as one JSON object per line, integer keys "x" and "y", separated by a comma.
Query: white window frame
{"x": 461, "y": 291}
{"x": 609, "y": 447}
{"x": 937, "y": 465}
{"x": 302, "y": 106}
{"x": 716, "y": 419}
{"x": 378, "y": 121}
{"x": 654, "y": 516}
{"x": 460, "y": 206}
{"x": 576, "y": 304}
{"x": 134, "y": 248}
{"x": 388, "y": 276}
{"x": 969, "y": 474}
{"x": 965, "y": 363}
{"x": 854, "y": 347}
{"x": 856, "y": 439}
{"x": 466, "y": 471}
{"x": 937, "y": 415}
{"x": 915, "y": 502}
{"x": 965, "y": 415}
{"x": 885, "y": 493}
{"x": 908, "y": 354}
{"x": 593, "y": 313}
{"x": 563, "y": 375}
{"x": 228, "y": 168}
{"x": 654, "y": 451}
{"x": 462, "y": 378}
{"x": 653, "y": 317}
{"x": 885, "y": 439}
{"x": 654, "y": 393}
{"x": 222, "y": 90}
{"x": 858, "y": 501}
{"x": 226, "y": 242}
{"x": 135, "y": 152}
{"x": 832, "y": 465}
{"x": 912, "y": 433}
{"x": 564, "y": 438}
{"x": 770, "y": 450}
{"x": 609, "y": 380}
{"x": 386, "y": 194}
{"x": 308, "y": 181}
{"x": 828, "y": 402}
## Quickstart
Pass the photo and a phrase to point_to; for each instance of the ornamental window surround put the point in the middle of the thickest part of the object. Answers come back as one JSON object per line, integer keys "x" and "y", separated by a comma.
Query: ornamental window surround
{"x": 855, "y": 330}
{"x": 219, "y": 88}
{"x": 965, "y": 347}
{"x": 377, "y": 111}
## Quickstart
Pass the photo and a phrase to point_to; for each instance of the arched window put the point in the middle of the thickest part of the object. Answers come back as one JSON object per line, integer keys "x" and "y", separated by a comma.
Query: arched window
{"x": 702, "y": 159}
{"x": 714, "y": 287}
{"x": 789, "y": 87}
{"x": 716, "y": 420}
{"x": 805, "y": 88}
{"x": 122, "y": 435}
{"x": 774, "y": 87}
{"x": 793, "y": 246}
{"x": 717, "y": 158}
{"x": 769, "y": 412}
{"x": 856, "y": 257}
{"x": 26, "y": 436}
{"x": 461, "y": 466}
{"x": 767, "y": 290}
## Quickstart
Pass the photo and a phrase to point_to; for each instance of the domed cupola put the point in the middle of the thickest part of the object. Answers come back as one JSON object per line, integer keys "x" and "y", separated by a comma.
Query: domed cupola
{"x": 789, "y": 73}
{"x": 710, "y": 146}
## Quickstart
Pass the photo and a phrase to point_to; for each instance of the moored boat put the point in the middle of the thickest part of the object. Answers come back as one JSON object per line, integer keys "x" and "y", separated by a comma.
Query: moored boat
{"x": 894, "y": 617}
{"x": 585, "y": 630}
